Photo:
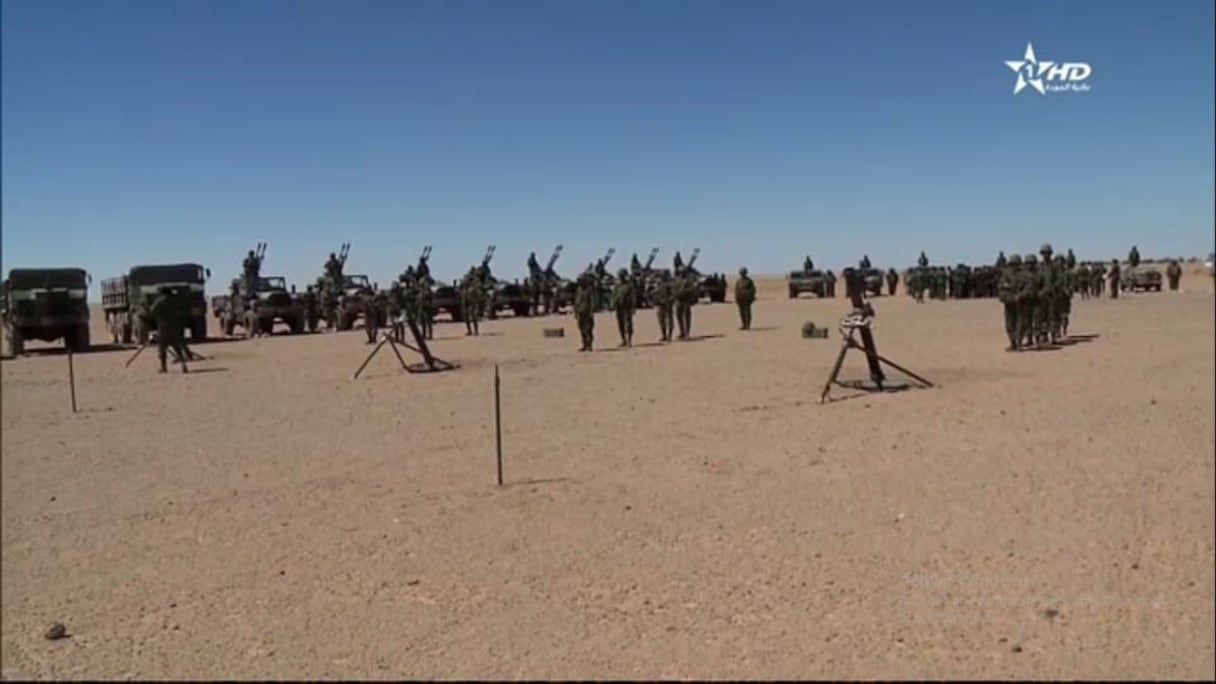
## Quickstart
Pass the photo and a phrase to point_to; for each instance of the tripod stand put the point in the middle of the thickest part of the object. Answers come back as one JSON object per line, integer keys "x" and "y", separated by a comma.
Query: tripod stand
{"x": 430, "y": 363}
{"x": 858, "y": 323}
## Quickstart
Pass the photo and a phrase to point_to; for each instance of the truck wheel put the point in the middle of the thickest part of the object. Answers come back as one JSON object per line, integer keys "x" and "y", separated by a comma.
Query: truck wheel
{"x": 521, "y": 310}
{"x": 344, "y": 322}
{"x": 456, "y": 315}
{"x": 126, "y": 332}
{"x": 296, "y": 325}
{"x": 198, "y": 329}
{"x": 229, "y": 325}
{"x": 16, "y": 342}
{"x": 80, "y": 340}
{"x": 793, "y": 293}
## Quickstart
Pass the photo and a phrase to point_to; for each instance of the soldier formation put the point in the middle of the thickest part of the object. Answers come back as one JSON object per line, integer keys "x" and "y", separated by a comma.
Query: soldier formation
{"x": 1035, "y": 290}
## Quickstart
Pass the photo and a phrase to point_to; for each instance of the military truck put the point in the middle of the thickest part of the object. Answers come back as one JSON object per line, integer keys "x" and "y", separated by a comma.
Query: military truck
{"x": 46, "y": 304}
{"x": 270, "y": 303}
{"x": 1140, "y": 279}
{"x": 814, "y": 281}
{"x": 872, "y": 281}
{"x": 713, "y": 288}
{"x": 512, "y": 297}
{"x": 350, "y": 303}
{"x": 124, "y": 297}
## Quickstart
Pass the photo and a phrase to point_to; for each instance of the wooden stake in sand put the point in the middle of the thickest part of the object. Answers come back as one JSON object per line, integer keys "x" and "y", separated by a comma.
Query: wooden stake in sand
{"x": 72, "y": 378}
{"x": 498, "y": 423}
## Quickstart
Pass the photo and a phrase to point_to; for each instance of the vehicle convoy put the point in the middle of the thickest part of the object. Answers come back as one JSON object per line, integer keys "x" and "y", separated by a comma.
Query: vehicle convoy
{"x": 815, "y": 281}
{"x": 257, "y": 313}
{"x": 46, "y": 304}
{"x": 126, "y": 297}
{"x": 1141, "y": 279}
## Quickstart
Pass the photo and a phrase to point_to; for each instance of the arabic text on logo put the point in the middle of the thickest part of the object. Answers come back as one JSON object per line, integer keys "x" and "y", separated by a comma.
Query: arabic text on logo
{"x": 1049, "y": 77}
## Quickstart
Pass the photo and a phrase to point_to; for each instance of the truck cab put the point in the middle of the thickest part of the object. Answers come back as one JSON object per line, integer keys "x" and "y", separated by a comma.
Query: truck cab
{"x": 46, "y": 304}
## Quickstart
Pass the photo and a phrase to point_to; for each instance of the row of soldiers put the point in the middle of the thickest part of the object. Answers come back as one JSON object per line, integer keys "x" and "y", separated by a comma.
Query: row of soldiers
{"x": 674, "y": 296}
{"x": 1037, "y": 298}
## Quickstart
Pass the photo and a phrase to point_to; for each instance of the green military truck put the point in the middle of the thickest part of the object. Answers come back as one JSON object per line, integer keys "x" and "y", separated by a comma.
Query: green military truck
{"x": 46, "y": 304}
{"x": 270, "y": 303}
{"x": 124, "y": 298}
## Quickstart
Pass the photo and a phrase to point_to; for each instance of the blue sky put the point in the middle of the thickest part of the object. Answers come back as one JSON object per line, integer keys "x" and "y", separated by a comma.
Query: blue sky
{"x": 161, "y": 130}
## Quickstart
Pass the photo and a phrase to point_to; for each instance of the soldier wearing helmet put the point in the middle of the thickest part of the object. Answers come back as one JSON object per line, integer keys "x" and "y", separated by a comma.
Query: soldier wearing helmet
{"x": 745, "y": 296}
{"x": 1007, "y": 292}
{"x": 624, "y": 302}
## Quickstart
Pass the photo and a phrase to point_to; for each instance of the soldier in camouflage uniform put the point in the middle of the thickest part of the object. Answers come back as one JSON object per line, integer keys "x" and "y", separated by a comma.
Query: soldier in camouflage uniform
{"x": 1097, "y": 282}
{"x": 312, "y": 312}
{"x": 169, "y": 310}
{"x": 1115, "y": 277}
{"x": 1030, "y": 307}
{"x": 686, "y": 297}
{"x": 471, "y": 295}
{"x": 1173, "y": 273}
{"x": 830, "y": 276}
{"x": 892, "y": 281}
{"x": 584, "y": 309}
{"x": 624, "y": 299}
{"x": 371, "y": 315}
{"x": 1063, "y": 297}
{"x": 922, "y": 260}
{"x": 1001, "y": 261}
{"x": 664, "y": 303}
{"x": 1050, "y": 295}
{"x": 745, "y": 296}
{"x": 426, "y": 309}
{"x": 1008, "y": 292}
{"x": 1133, "y": 257}
{"x": 1081, "y": 280}
{"x": 1070, "y": 260}
{"x": 396, "y": 310}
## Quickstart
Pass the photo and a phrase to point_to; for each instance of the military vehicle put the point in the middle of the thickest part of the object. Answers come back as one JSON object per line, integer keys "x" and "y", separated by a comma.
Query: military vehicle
{"x": 257, "y": 312}
{"x": 446, "y": 299}
{"x": 1140, "y": 279}
{"x": 124, "y": 297}
{"x": 351, "y": 292}
{"x": 872, "y": 281}
{"x": 513, "y": 297}
{"x": 814, "y": 281}
{"x": 46, "y": 304}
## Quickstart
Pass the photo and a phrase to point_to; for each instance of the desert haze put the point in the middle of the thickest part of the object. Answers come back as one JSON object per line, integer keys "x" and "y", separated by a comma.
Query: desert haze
{"x": 670, "y": 511}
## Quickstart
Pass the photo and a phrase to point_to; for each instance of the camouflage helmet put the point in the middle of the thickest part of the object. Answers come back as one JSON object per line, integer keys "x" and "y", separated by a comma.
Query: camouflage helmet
{"x": 1045, "y": 248}
{"x": 1016, "y": 259}
{"x": 1031, "y": 259}
{"x": 743, "y": 270}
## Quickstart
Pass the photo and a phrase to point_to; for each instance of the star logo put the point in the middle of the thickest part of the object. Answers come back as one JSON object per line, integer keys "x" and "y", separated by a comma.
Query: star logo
{"x": 1030, "y": 71}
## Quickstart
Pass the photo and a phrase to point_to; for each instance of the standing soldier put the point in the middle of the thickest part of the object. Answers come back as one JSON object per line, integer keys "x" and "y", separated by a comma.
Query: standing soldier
{"x": 624, "y": 300}
{"x": 892, "y": 281}
{"x": 1001, "y": 261}
{"x": 865, "y": 262}
{"x": 1007, "y": 291}
{"x": 1173, "y": 273}
{"x": 168, "y": 311}
{"x": 1070, "y": 260}
{"x": 371, "y": 316}
{"x": 396, "y": 310}
{"x": 1063, "y": 297}
{"x": 584, "y": 310}
{"x": 808, "y": 265}
{"x": 1114, "y": 276}
{"x": 922, "y": 260}
{"x": 471, "y": 294}
{"x": 1030, "y": 309}
{"x": 677, "y": 264}
{"x": 1083, "y": 280}
{"x": 1050, "y": 275}
{"x": 426, "y": 310}
{"x": 333, "y": 269}
{"x": 745, "y": 296}
{"x": 686, "y": 297}
{"x": 311, "y": 312}
{"x": 664, "y": 300}
{"x": 251, "y": 269}
{"x": 1133, "y": 257}
{"x": 1098, "y": 279}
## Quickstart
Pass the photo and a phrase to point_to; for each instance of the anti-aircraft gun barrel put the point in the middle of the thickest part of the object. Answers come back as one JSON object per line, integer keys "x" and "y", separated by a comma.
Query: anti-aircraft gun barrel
{"x": 654, "y": 252}
{"x": 557, "y": 251}
{"x": 692, "y": 259}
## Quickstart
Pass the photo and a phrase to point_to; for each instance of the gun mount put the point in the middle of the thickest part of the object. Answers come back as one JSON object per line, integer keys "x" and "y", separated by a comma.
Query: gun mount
{"x": 859, "y": 322}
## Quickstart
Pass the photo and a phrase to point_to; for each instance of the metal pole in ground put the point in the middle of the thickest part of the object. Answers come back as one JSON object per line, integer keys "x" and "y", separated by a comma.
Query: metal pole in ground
{"x": 72, "y": 378}
{"x": 498, "y": 423}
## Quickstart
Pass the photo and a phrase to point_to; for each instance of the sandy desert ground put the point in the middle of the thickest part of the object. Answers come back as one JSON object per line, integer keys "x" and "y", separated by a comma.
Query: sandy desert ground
{"x": 677, "y": 511}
